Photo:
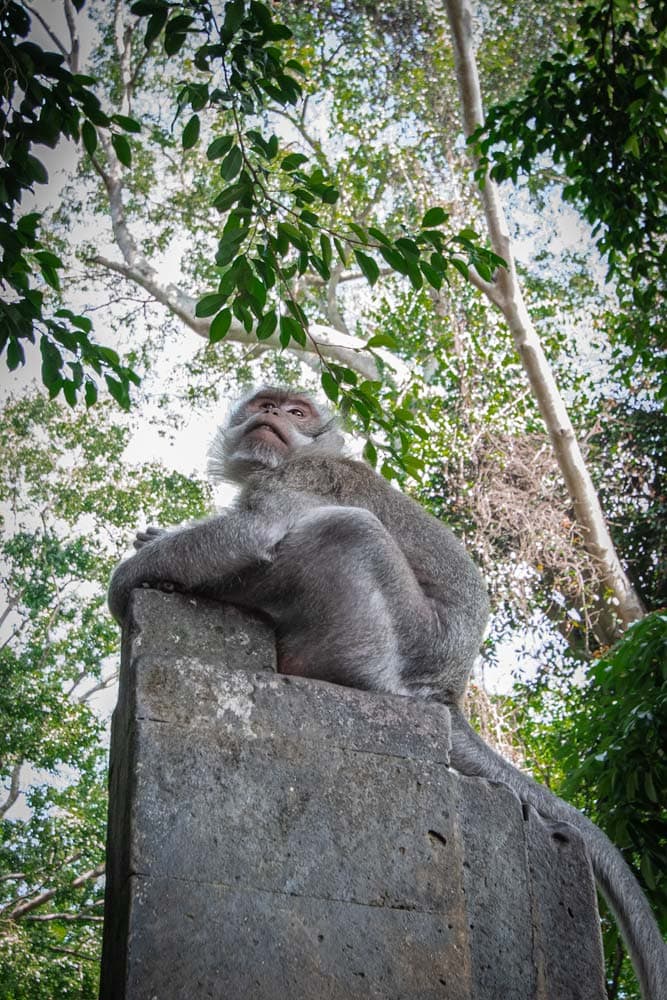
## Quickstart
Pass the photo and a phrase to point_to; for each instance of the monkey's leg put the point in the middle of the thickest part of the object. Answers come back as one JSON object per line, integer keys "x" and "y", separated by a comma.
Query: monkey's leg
{"x": 348, "y": 608}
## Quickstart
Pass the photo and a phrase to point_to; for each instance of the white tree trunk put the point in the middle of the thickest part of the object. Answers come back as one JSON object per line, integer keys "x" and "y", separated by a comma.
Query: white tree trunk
{"x": 505, "y": 293}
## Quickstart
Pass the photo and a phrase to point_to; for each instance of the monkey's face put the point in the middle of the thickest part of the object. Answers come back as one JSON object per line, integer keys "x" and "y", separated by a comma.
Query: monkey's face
{"x": 264, "y": 431}
{"x": 274, "y": 422}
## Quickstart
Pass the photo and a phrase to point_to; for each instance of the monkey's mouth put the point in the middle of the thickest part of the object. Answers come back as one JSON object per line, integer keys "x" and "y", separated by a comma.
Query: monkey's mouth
{"x": 264, "y": 430}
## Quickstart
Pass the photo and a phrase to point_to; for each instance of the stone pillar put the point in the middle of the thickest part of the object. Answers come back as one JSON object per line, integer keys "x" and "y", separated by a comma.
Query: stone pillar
{"x": 276, "y": 838}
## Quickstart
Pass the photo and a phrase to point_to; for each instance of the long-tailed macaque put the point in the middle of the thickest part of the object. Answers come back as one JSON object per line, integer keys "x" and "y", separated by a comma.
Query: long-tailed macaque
{"x": 364, "y": 588}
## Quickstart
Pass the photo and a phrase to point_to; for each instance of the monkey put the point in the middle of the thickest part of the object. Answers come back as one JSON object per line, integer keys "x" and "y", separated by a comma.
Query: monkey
{"x": 363, "y": 588}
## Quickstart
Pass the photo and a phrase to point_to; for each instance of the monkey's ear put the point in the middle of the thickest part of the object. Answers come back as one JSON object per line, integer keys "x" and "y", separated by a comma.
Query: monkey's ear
{"x": 217, "y": 457}
{"x": 331, "y": 442}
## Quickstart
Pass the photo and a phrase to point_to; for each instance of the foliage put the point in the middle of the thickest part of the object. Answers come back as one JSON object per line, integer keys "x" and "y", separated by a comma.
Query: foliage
{"x": 597, "y": 106}
{"x": 600, "y": 743}
{"x": 42, "y": 102}
{"x": 59, "y": 652}
{"x": 277, "y": 226}
{"x": 629, "y": 444}
{"x": 615, "y": 753}
{"x": 274, "y": 202}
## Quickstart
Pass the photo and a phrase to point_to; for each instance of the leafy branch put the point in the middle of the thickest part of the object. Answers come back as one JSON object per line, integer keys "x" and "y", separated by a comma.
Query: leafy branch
{"x": 277, "y": 206}
{"x": 42, "y": 101}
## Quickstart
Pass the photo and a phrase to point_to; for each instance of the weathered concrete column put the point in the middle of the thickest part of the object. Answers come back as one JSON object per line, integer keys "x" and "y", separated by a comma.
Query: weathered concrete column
{"x": 275, "y": 838}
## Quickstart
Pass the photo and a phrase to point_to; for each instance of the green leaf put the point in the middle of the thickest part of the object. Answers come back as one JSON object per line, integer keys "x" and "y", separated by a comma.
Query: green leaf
{"x": 156, "y": 23}
{"x": 340, "y": 249}
{"x": 122, "y": 149}
{"x": 395, "y": 259}
{"x": 320, "y": 266}
{"x": 119, "y": 391}
{"x": 414, "y": 274}
{"x": 69, "y": 392}
{"x": 383, "y": 340}
{"x": 267, "y": 325}
{"x": 234, "y": 11}
{"x": 370, "y": 453}
{"x": 15, "y": 354}
{"x": 434, "y": 217}
{"x": 48, "y": 258}
{"x": 460, "y": 266}
{"x": 231, "y": 164}
{"x": 298, "y": 313}
{"x": 256, "y": 295}
{"x": 191, "y": 133}
{"x": 143, "y": 8}
{"x": 378, "y": 235}
{"x": 228, "y": 196}
{"x": 90, "y": 393}
{"x": 172, "y": 43}
{"x": 433, "y": 277}
{"x": 81, "y": 322}
{"x": 325, "y": 246}
{"x": 89, "y": 137}
{"x": 219, "y": 147}
{"x": 209, "y": 304}
{"x": 36, "y": 170}
{"x": 294, "y": 235}
{"x": 407, "y": 246}
{"x": 650, "y": 787}
{"x": 290, "y": 329}
{"x": 344, "y": 374}
{"x": 647, "y": 871}
{"x": 220, "y": 326}
{"x": 328, "y": 193}
{"x": 368, "y": 267}
{"x": 50, "y": 276}
{"x": 52, "y": 362}
{"x": 330, "y": 386}
{"x": 127, "y": 123}
{"x": 359, "y": 231}
{"x": 292, "y": 161}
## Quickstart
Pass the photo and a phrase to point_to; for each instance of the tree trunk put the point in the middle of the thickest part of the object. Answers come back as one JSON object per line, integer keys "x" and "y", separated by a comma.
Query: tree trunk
{"x": 505, "y": 293}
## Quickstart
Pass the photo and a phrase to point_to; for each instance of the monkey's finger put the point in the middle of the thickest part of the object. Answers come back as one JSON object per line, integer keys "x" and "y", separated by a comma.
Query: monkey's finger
{"x": 147, "y": 536}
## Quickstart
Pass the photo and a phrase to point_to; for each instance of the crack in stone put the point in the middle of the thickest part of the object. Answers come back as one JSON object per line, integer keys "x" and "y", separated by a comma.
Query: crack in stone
{"x": 204, "y": 883}
{"x": 202, "y": 726}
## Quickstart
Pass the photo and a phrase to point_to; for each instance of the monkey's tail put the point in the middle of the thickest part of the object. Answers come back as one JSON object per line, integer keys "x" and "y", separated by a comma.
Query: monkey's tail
{"x": 472, "y": 756}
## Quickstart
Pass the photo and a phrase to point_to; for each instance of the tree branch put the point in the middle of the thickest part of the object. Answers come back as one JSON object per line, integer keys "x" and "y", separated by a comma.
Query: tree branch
{"x": 54, "y": 38}
{"x": 14, "y": 790}
{"x": 73, "y": 55}
{"x": 339, "y": 347}
{"x": 43, "y": 897}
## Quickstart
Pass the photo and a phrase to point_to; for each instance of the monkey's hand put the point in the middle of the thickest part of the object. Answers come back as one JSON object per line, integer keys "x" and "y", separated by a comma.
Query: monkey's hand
{"x": 147, "y": 536}
{"x": 147, "y": 568}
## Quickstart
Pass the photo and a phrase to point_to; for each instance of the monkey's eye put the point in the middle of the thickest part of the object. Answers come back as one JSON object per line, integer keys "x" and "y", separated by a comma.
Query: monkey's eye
{"x": 296, "y": 412}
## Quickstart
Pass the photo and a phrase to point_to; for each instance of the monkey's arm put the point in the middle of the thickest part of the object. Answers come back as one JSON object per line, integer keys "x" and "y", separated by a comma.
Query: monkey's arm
{"x": 196, "y": 558}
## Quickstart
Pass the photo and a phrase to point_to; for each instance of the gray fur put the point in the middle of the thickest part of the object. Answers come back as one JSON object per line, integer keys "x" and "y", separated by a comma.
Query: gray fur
{"x": 364, "y": 588}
